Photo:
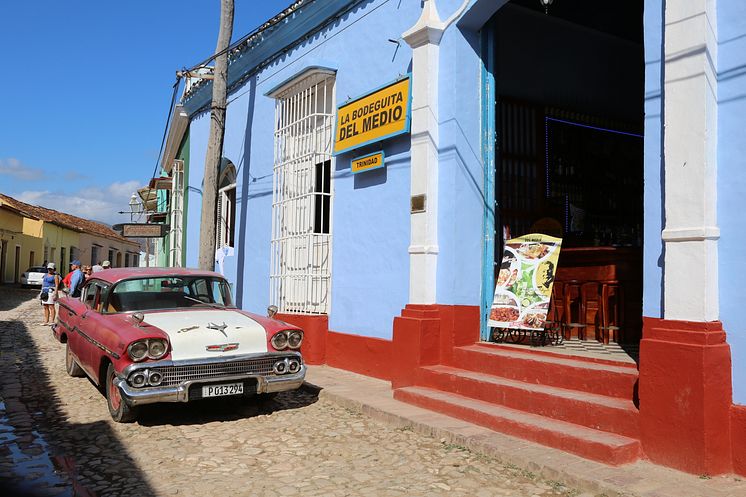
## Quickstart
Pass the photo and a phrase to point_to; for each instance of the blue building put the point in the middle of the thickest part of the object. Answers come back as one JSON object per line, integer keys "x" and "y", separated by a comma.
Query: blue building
{"x": 616, "y": 127}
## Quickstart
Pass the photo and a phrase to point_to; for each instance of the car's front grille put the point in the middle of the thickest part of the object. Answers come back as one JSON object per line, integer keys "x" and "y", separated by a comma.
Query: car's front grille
{"x": 174, "y": 375}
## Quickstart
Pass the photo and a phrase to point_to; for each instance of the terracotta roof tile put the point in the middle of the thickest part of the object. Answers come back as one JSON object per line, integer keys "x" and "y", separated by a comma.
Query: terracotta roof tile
{"x": 68, "y": 221}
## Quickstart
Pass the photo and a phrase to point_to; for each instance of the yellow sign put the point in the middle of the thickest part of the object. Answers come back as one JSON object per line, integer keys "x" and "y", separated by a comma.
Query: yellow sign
{"x": 367, "y": 162}
{"x": 373, "y": 117}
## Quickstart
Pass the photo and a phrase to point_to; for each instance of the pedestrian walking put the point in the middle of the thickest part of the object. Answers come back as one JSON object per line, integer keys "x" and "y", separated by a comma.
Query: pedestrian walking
{"x": 87, "y": 271}
{"x": 65, "y": 286}
{"x": 49, "y": 287}
{"x": 106, "y": 265}
{"x": 76, "y": 280}
{"x": 97, "y": 267}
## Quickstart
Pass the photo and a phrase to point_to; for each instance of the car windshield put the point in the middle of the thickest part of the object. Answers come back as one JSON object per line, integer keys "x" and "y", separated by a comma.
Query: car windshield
{"x": 38, "y": 269}
{"x": 169, "y": 292}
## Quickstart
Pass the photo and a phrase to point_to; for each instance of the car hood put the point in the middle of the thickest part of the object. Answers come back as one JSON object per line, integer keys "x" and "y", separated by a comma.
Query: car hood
{"x": 192, "y": 332}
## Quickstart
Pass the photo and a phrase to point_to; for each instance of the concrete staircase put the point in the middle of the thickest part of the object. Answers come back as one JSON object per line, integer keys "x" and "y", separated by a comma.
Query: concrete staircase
{"x": 578, "y": 405}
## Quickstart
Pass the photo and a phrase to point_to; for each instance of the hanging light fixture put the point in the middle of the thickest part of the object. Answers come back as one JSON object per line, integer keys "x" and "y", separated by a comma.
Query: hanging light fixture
{"x": 546, "y": 4}
{"x": 134, "y": 207}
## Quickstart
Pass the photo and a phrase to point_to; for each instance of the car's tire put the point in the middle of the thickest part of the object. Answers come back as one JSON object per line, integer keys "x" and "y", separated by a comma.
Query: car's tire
{"x": 72, "y": 367}
{"x": 118, "y": 408}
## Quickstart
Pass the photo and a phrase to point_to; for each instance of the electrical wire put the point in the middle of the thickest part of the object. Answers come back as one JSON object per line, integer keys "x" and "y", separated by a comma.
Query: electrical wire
{"x": 310, "y": 34}
{"x": 251, "y": 33}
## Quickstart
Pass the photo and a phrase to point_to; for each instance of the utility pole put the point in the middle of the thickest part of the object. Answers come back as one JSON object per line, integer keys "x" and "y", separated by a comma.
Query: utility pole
{"x": 215, "y": 142}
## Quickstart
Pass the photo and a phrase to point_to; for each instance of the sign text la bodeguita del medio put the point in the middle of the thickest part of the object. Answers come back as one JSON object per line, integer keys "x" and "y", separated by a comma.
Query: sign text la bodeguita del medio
{"x": 373, "y": 117}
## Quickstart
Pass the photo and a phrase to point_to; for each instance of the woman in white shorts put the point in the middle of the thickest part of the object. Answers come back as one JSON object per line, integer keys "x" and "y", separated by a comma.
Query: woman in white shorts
{"x": 49, "y": 287}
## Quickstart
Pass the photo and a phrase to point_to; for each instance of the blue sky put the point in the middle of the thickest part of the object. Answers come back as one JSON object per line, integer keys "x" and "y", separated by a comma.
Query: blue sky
{"x": 86, "y": 87}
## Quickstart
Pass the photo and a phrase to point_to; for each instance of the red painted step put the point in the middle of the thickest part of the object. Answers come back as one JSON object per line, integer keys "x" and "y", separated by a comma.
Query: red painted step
{"x": 572, "y": 374}
{"x": 599, "y": 412}
{"x": 592, "y": 444}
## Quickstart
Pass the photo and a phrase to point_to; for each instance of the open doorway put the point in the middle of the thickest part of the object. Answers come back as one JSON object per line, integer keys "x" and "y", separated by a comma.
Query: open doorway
{"x": 569, "y": 91}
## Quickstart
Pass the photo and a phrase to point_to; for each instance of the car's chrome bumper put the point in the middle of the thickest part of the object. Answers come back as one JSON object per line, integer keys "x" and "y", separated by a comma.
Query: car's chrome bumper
{"x": 180, "y": 393}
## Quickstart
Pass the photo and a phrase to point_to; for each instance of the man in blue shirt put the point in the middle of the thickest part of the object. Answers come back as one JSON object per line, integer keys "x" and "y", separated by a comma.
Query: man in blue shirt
{"x": 77, "y": 280}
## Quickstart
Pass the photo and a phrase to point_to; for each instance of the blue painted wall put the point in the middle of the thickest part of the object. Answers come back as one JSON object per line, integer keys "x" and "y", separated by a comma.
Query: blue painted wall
{"x": 370, "y": 260}
{"x": 198, "y": 131}
{"x": 652, "y": 243}
{"x": 731, "y": 68}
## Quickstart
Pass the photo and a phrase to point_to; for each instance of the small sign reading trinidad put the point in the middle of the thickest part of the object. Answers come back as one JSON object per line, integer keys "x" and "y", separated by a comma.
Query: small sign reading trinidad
{"x": 373, "y": 117}
{"x": 367, "y": 162}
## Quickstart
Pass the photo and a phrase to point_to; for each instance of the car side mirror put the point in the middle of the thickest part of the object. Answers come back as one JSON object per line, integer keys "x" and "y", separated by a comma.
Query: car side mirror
{"x": 138, "y": 318}
{"x": 271, "y": 311}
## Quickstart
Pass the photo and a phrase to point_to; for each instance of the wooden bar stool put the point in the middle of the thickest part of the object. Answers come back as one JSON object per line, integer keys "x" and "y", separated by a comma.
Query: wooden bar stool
{"x": 573, "y": 319}
{"x": 612, "y": 310}
{"x": 554, "y": 314}
{"x": 591, "y": 297}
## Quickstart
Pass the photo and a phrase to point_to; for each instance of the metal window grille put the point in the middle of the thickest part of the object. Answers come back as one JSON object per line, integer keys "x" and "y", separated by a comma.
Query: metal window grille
{"x": 177, "y": 213}
{"x": 302, "y": 193}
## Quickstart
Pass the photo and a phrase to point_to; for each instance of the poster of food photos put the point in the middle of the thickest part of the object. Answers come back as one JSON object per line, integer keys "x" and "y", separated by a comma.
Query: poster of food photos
{"x": 524, "y": 283}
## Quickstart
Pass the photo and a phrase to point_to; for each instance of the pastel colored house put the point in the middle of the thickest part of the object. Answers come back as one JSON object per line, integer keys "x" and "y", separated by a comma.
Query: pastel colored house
{"x": 53, "y": 236}
{"x": 615, "y": 126}
{"x": 20, "y": 245}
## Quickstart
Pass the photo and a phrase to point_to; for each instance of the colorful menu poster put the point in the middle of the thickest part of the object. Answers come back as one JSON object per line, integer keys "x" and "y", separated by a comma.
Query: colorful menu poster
{"x": 524, "y": 283}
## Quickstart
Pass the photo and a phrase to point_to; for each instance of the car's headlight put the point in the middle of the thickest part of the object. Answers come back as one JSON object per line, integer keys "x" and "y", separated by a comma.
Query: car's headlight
{"x": 294, "y": 339}
{"x": 138, "y": 350}
{"x": 152, "y": 348}
{"x": 280, "y": 340}
{"x": 156, "y": 348}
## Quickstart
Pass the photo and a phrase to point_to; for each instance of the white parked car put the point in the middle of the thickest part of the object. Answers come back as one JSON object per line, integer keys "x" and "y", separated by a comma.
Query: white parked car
{"x": 33, "y": 276}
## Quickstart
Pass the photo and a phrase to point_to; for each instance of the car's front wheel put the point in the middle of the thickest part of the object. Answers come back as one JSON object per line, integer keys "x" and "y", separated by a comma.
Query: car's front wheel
{"x": 72, "y": 367}
{"x": 118, "y": 408}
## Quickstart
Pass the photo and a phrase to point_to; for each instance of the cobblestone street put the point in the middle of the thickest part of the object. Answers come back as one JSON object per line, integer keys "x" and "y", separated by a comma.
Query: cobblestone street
{"x": 57, "y": 438}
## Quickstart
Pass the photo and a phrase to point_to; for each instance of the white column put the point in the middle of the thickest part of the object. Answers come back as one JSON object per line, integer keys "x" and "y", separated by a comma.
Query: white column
{"x": 424, "y": 38}
{"x": 690, "y": 148}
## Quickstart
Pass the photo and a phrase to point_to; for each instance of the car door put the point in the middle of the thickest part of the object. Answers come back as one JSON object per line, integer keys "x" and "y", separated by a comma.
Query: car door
{"x": 104, "y": 339}
{"x": 70, "y": 311}
{"x": 87, "y": 328}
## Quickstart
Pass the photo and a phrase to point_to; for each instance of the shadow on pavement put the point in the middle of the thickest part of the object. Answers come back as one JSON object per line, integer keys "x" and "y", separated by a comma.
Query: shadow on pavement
{"x": 228, "y": 409}
{"x": 41, "y": 453}
{"x": 12, "y": 295}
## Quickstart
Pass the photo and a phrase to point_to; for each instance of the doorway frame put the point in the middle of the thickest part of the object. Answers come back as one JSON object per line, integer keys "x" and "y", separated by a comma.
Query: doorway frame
{"x": 17, "y": 264}
{"x": 489, "y": 135}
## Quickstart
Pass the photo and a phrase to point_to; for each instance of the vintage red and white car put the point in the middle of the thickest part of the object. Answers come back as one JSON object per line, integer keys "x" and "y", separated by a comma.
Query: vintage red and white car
{"x": 146, "y": 335}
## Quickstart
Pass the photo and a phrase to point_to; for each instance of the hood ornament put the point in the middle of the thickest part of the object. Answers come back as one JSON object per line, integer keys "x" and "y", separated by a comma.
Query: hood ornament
{"x": 219, "y": 327}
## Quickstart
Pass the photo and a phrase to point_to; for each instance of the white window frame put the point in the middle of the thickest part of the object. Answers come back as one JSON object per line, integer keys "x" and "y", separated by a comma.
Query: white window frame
{"x": 223, "y": 225}
{"x": 177, "y": 213}
{"x": 224, "y": 218}
{"x": 300, "y": 255}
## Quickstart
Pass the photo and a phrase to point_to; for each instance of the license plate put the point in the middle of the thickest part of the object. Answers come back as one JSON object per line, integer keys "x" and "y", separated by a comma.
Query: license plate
{"x": 222, "y": 390}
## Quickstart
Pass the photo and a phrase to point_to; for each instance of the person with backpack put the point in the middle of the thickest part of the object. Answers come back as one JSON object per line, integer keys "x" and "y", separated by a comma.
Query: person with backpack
{"x": 76, "y": 280}
{"x": 48, "y": 295}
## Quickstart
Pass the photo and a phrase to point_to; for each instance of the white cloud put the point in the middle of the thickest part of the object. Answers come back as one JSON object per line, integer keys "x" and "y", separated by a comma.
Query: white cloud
{"x": 16, "y": 169}
{"x": 89, "y": 203}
